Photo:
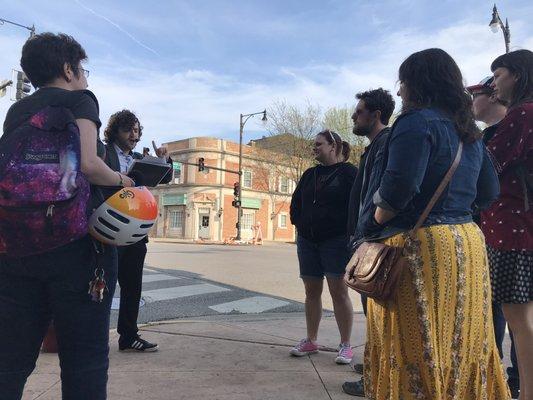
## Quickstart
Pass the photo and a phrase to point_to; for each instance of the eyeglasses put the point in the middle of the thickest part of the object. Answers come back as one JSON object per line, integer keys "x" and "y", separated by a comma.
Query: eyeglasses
{"x": 85, "y": 72}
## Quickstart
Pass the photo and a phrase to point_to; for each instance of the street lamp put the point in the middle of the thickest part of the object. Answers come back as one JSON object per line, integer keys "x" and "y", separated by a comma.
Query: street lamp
{"x": 497, "y": 22}
{"x": 30, "y": 28}
{"x": 243, "y": 120}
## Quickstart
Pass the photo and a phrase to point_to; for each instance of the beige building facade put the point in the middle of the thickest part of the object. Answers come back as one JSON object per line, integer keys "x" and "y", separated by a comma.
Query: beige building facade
{"x": 198, "y": 205}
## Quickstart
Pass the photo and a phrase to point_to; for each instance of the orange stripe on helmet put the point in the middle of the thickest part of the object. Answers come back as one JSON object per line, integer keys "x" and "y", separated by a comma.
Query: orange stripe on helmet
{"x": 135, "y": 202}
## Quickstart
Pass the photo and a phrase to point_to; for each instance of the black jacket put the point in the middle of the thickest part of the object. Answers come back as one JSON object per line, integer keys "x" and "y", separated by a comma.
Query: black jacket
{"x": 319, "y": 213}
{"x": 363, "y": 189}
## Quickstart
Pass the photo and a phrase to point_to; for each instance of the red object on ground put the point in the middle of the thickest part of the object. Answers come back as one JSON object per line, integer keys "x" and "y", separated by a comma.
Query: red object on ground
{"x": 50, "y": 340}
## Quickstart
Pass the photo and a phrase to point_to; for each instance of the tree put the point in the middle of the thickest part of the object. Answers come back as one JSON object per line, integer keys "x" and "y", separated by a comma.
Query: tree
{"x": 291, "y": 134}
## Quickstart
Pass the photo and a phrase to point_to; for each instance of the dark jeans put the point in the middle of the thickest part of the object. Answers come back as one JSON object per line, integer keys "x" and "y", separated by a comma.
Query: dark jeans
{"x": 499, "y": 333}
{"x": 130, "y": 275}
{"x": 35, "y": 289}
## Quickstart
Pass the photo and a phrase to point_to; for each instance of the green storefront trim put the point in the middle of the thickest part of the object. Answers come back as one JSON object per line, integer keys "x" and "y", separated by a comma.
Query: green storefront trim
{"x": 174, "y": 199}
{"x": 176, "y": 166}
{"x": 247, "y": 202}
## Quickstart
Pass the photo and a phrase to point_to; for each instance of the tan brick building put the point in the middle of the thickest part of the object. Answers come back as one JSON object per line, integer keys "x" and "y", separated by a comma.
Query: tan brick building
{"x": 197, "y": 205}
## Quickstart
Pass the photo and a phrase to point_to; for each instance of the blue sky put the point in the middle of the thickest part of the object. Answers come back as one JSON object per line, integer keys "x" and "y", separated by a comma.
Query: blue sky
{"x": 189, "y": 68}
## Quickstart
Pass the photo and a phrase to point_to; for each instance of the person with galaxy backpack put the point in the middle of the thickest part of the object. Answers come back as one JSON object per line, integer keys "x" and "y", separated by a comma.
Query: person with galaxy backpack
{"x": 50, "y": 266}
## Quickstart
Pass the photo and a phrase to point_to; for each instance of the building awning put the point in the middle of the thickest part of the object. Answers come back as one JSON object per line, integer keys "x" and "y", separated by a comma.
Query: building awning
{"x": 247, "y": 202}
{"x": 174, "y": 199}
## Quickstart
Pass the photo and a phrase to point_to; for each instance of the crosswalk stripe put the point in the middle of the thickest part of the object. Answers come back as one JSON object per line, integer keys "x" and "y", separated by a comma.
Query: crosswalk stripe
{"x": 254, "y": 304}
{"x": 181, "y": 291}
{"x": 158, "y": 278}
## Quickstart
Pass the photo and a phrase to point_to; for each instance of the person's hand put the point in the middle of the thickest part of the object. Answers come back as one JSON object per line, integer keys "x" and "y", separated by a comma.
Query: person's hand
{"x": 127, "y": 181}
{"x": 161, "y": 152}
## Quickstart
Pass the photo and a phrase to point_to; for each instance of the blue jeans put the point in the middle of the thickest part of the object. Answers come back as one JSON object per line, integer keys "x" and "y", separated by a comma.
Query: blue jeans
{"x": 499, "y": 333}
{"x": 54, "y": 285}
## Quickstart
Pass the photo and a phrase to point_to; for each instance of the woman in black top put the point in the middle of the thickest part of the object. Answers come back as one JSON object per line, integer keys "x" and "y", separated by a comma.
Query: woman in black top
{"x": 319, "y": 209}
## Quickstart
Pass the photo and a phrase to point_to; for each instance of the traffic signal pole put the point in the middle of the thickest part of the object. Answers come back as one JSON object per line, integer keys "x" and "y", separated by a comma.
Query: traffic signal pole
{"x": 239, "y": 204}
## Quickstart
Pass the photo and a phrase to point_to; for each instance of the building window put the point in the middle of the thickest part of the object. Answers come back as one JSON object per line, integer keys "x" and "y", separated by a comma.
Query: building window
{"x": 176, "y": 219}
{"x": 247, "y": 179}
{"x": 282, "y": 221}
{"x": 247, "y": 220}
{"x": 284, "y": 184}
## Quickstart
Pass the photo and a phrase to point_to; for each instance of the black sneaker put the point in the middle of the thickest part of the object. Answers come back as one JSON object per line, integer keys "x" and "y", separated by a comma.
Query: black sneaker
{"x": 358, "y": 368}
{"x": 138, "y": 344}
{"x": 354, "y": 388}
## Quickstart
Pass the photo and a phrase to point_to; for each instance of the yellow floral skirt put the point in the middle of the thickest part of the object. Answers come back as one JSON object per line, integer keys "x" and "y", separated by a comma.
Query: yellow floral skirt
{"x": 435, "y": 339}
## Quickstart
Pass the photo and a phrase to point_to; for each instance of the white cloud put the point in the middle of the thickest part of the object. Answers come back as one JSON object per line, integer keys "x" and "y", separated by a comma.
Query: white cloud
{"x": 196, "y": 102}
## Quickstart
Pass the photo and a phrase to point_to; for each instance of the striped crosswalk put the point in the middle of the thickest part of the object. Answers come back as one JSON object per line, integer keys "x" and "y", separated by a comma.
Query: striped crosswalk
{"x": 168, "y": 290}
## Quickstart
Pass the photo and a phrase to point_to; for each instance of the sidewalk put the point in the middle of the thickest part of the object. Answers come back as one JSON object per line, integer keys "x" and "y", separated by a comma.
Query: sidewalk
{"x": 231, "y": 357}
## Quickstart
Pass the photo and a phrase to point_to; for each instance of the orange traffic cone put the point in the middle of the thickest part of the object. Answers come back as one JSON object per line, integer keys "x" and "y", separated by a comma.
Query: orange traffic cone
{"x": 50, "y": 341}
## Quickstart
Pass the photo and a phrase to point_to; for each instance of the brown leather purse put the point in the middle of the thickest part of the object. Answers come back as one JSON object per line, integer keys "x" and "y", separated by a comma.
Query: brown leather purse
{"x": 375, "y": 268}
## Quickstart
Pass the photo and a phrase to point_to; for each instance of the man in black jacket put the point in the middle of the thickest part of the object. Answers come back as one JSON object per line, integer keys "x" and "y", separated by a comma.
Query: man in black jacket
{"x": 371, "y": 116}
{"x": 121, "y": 136}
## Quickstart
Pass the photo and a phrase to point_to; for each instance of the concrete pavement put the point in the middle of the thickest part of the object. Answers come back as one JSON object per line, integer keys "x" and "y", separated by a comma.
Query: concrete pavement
{"x": 235, "y": 357}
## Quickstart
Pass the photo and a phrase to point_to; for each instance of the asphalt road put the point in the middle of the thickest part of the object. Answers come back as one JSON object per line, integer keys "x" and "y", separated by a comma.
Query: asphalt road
{"x": 189, "y": 280}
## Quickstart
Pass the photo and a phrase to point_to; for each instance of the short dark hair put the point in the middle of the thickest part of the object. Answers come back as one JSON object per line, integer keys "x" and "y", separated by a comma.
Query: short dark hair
{"x": 433, "y": 79}
{"x": 121, "y": 120}
{"x": 44, "y": 56}
{"x": 378, "y": 100}
{"x": 519, "y": 63}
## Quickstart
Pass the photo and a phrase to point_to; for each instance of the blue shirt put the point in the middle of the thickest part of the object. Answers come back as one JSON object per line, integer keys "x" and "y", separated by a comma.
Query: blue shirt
{"x": 420, "y": 150}
{"x": 124, "y": 159}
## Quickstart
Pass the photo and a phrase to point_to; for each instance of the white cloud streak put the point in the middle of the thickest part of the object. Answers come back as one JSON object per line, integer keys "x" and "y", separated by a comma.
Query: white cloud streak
{"x": 118, "y": 27}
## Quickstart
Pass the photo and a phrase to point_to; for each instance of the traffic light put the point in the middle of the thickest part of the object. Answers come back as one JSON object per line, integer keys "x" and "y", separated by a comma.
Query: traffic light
{"x": 236, "y": 195}
{"x": 201, "y": 165}
{"x": 23, "y": 85}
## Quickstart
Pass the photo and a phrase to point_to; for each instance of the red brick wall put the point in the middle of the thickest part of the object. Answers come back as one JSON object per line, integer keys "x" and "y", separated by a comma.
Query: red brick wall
{"x": 178, "y": 145}
{"x": 210, "y": 178}
{"x": 283, "y": 233}
{"x": 229, "y": 218}
{"x": 207, "y": 142}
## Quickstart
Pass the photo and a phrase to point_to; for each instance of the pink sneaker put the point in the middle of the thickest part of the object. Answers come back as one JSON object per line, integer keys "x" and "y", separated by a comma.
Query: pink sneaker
{"x": 305, "y": 347}
{"x": 345, "y": 354}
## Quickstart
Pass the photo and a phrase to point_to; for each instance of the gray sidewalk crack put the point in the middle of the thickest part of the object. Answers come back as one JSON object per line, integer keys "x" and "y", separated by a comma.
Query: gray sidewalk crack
{"x": 47, "y": 390}
{"x": 319, "y": 377}
{"x": 217, "y": 338}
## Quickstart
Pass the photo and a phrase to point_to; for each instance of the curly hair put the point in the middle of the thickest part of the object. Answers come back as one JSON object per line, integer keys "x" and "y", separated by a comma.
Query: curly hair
{"x": 520, "y": 64}
{"x": 433, "y": 79}
{"x": 44, "y": 56}
{"x": 378, "y": 100}
{"x": 122, "y": 120}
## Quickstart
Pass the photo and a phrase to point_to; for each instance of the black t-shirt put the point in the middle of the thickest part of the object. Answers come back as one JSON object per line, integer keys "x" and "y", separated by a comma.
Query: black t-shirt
{"x": 82, "y": 103}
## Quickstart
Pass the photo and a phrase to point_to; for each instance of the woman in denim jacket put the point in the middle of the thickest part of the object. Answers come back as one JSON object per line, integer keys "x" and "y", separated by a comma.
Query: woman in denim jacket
{"x": 434, "y": 339}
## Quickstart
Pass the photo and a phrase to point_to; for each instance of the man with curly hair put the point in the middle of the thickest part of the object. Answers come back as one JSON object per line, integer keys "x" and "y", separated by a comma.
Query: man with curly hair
{"x": 121, "y": 135}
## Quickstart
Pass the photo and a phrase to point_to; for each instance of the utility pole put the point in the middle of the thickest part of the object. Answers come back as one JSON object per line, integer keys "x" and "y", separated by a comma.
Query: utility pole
{"x": 243, "y": 119}
{"x": 30, "y": 28}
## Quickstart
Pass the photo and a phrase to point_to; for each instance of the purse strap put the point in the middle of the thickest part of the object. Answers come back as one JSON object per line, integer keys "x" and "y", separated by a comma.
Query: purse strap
{"x": 439, "y": 191}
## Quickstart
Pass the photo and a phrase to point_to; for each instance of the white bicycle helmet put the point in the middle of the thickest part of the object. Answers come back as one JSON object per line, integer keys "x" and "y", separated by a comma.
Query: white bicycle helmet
{"x": 124, "y": 218}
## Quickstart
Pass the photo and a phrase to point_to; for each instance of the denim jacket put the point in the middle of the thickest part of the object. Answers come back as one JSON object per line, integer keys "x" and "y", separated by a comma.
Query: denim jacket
{"x": 419, "y": 152}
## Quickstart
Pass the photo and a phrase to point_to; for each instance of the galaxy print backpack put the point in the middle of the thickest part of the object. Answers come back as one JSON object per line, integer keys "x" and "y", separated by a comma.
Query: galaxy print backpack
{"x": 43, "y": 194}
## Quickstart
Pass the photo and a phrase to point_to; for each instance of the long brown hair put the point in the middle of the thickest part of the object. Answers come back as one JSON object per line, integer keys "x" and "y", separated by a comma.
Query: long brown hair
{"x": 433, "y": 79}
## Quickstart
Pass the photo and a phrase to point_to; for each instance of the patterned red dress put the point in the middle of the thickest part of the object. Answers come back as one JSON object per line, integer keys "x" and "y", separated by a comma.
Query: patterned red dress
{"x": 508, "y": 223}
